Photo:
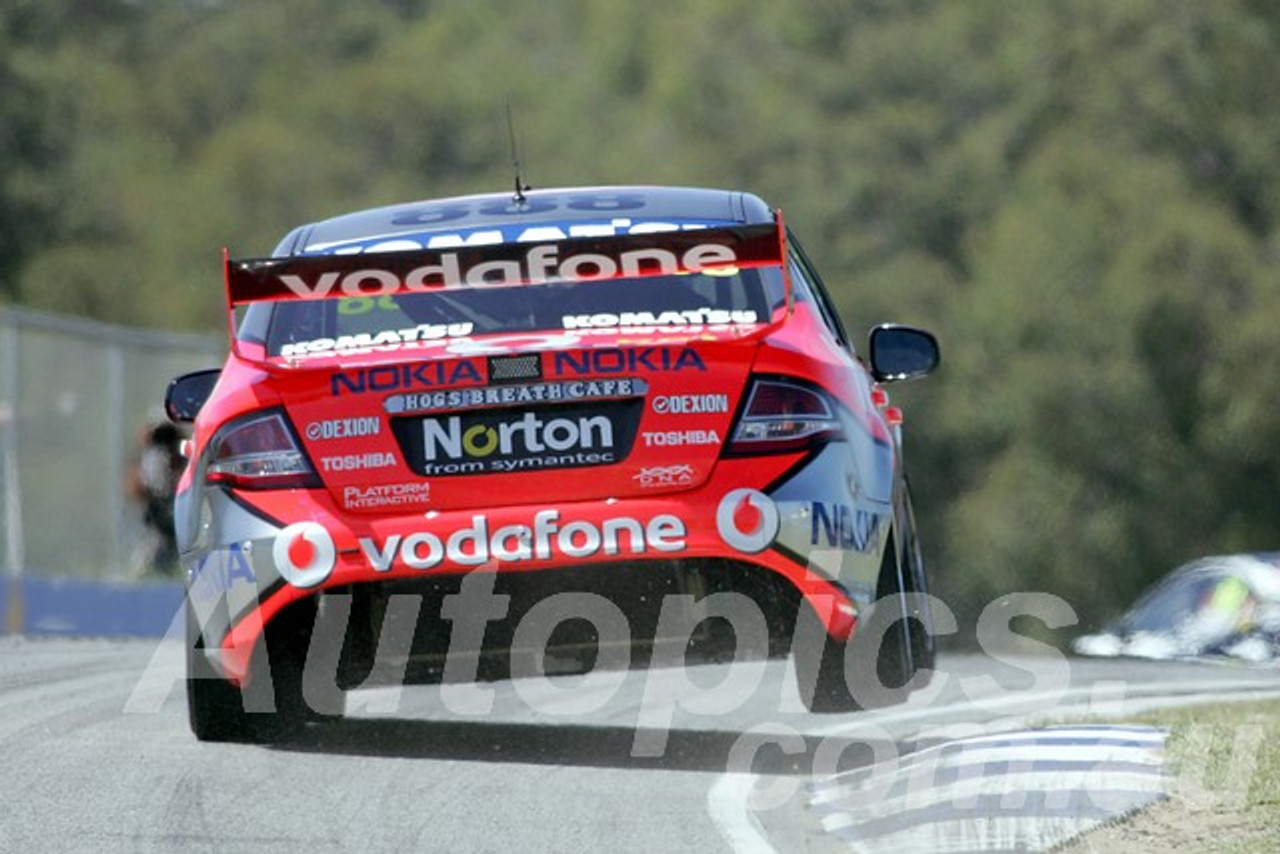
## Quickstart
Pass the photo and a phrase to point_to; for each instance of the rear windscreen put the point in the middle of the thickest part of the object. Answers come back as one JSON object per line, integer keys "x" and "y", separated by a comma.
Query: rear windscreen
{"x": 748, "y": 296}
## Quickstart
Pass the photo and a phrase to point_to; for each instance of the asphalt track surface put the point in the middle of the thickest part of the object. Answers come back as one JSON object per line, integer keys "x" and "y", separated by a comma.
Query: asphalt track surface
{"x": 97, "y": 756}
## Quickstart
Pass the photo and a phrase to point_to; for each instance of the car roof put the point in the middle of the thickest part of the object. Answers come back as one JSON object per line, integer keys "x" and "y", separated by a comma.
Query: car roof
{"x": 503, "y": 211}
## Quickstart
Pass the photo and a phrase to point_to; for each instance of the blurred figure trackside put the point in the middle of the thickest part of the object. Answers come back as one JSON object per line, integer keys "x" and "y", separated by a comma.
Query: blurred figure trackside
{"x": 153, "y": 480}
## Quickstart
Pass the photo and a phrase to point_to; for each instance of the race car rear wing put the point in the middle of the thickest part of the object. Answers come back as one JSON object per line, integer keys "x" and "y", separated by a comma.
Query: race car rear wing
{"x": 311, "y": 277}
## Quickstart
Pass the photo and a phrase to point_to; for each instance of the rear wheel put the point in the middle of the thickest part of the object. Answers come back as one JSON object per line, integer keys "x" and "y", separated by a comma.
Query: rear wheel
{"x": 269, "y": 708}
{"x": 920, "y": 621}
{"x": 875, "y": 668}
{"x": 215, "y": 707}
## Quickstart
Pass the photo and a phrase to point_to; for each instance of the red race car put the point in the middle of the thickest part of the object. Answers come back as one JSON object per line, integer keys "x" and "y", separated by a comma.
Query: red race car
{"x": 548, "y": 432}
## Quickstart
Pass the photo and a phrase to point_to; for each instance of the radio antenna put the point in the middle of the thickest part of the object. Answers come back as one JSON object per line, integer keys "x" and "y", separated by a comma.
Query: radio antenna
{"x": 521, "y": 186}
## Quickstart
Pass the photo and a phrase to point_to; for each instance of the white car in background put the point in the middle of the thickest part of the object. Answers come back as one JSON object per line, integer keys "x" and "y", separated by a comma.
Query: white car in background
{"x": 1225, "y": 605}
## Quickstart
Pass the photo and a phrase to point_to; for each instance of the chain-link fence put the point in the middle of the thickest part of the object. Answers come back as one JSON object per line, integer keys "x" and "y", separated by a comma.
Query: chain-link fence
{"x": 75, "y": 399}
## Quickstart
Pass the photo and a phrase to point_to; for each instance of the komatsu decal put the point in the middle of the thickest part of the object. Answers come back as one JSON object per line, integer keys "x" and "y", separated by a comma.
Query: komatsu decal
{"x": 686, "y": 318}
{"x": 545, "y": 539}
{"x": 367, "y": 341}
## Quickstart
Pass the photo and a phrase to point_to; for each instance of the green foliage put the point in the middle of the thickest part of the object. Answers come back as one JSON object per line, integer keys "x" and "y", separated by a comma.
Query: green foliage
{"x": 1081, "y": 198}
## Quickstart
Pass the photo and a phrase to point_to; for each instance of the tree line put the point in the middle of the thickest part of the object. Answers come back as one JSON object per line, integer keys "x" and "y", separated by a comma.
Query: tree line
{"x": 1080, "y": 198}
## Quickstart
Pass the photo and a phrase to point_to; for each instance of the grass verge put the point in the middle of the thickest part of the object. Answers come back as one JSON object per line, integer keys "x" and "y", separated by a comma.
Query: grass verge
{"x": 1224, "y": 786}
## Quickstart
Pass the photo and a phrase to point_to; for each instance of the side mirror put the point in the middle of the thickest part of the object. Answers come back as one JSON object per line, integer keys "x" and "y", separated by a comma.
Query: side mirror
{"x": 188, "y": 393}
{"x": 902, "y": 352}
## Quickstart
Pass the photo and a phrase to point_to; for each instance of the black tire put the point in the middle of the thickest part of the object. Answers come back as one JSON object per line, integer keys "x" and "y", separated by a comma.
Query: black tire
{"x": 270, "y": 709}
{"x": 874, "y": 669}
{"x": 924, "y": 646}
{"x": 215, "y": 707}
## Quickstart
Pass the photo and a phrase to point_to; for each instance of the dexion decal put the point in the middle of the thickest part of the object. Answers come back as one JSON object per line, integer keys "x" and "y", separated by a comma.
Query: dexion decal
{"x": 619, "y": 360}
{"x": 691, "y": 404}
{"x": 516, "y": 395}
{"x": 343, "y": 428}
{"x": 545, "y": 539}
{"x": 402, "y": 377}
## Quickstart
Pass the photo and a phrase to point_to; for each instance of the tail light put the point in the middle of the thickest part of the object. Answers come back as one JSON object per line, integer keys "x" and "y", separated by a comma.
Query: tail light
{"x": 782, "y": 416}
{"x": 259, "y": 452}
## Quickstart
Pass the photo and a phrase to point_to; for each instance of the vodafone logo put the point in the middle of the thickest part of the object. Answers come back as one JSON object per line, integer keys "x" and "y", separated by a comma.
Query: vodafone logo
{"x": 747, "y": 520}
{"x": 538, "y": 265}
{"x": 304, "y": 554}
{"x": 547, "y": 538}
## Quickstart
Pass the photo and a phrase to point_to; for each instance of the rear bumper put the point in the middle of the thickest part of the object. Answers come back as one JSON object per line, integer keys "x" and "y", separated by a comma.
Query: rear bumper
{"x": 255, "y": 558}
